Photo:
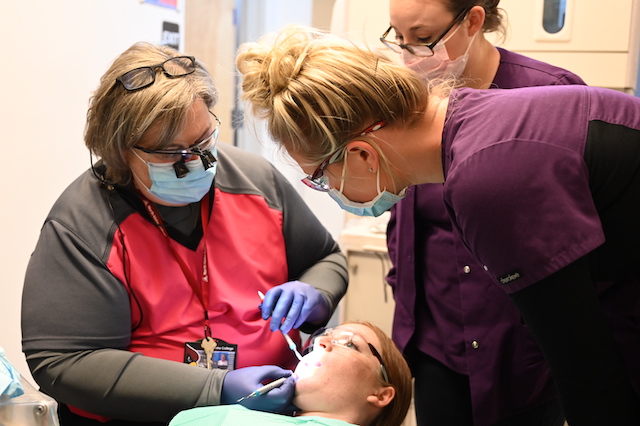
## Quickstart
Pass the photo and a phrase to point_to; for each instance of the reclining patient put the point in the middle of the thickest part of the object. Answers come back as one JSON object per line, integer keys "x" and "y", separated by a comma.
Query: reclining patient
{"x": 351, "y": 374}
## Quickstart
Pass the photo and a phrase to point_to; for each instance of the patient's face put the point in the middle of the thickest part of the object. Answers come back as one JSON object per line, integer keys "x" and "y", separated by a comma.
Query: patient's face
{"x": 333, "y": 376}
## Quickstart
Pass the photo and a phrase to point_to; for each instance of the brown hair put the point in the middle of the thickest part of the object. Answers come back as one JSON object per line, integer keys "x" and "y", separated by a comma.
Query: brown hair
{"x": 493, "y": 21}
{"x": 117, "y": 118}
{"x": 399, "y": 378}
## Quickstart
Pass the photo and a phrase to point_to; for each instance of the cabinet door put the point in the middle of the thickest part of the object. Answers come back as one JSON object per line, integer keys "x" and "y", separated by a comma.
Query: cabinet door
{"x": 589, "y": 26}
{"x": 369, "y": 297}
{"x": 600, "y": 43}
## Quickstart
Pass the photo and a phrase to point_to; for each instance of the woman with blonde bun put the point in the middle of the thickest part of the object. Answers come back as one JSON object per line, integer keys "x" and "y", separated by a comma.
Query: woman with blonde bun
{"x": 541, "y": 184}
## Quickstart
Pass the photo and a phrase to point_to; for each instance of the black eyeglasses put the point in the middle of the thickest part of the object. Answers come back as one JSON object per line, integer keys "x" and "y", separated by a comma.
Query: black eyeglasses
{"x": 179, "y": 157}
{"x": 344, "y": 338}
{"x": 421, "y": 49}
{"x": 142, "y": 77}
{"x": 317, "y": 180}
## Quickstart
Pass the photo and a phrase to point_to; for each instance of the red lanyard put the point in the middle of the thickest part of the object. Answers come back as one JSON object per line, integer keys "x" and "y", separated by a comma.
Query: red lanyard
{"x": 200, "y": 289}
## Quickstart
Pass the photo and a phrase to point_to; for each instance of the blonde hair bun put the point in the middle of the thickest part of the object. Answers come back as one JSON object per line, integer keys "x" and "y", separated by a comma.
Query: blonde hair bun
{"x": 317, "y": 90}
{"x": 271, "y": 64}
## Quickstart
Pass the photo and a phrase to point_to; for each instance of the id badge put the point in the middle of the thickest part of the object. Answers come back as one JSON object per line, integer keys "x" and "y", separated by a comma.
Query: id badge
{"x": 211, "y": 353}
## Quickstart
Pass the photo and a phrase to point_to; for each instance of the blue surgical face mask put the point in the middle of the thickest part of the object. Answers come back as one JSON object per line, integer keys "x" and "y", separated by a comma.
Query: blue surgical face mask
{"x": 189, "y": 189}
{"x": 380, "y": 204}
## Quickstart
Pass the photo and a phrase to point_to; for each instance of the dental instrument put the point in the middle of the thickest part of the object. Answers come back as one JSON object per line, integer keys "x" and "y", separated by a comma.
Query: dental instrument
{"x": 264, "y": 389}
{"x": 290, "y": 342}
{"x": 292, "y": 346}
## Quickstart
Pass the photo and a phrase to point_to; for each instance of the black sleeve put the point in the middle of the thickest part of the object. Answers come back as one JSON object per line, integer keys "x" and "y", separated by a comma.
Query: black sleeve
{"x": 569, "y": 325}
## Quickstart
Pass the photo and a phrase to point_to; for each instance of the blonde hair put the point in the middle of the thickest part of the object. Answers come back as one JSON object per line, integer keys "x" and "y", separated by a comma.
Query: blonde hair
{"x": 318, "y": 91}
{"x": 117, "y": 118}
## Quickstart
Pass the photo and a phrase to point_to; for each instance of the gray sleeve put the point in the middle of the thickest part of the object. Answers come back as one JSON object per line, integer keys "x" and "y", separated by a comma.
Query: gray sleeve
{"x": 68, "y": 270}
{"x": 124, "y": 385}
{"x": 78, "y": 356}
{"x": 313, "y": 255}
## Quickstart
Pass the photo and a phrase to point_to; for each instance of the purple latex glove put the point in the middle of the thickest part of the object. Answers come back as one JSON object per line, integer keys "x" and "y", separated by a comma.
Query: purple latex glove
{"x": 294, "y": 302}
{"x": 243, "y": 381}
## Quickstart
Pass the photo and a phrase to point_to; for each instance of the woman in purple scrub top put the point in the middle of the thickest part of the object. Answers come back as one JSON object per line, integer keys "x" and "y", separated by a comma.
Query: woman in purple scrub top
{"x": 540, "y": 183}
{"x": 463, "y": 358}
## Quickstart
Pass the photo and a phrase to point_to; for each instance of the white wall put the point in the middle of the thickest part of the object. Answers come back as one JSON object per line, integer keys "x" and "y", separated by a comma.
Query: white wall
{"x": 55, "y": 53}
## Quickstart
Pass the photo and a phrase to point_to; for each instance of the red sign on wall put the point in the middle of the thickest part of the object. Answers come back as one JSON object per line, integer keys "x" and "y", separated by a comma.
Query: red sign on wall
{"x": 171, "y": 4}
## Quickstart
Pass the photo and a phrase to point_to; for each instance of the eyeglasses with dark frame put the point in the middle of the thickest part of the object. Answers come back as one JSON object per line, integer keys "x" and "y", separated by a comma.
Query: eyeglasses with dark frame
{"x": 142, "y": 77}
{"x": 421, "y": 49}
{"x": 344, "y": 338}
{"x": 179, "y": 157}
{"x": 317, "y": 180}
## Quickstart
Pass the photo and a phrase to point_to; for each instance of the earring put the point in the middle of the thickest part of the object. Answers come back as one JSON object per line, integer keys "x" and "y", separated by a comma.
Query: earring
{"x": 370, "y": 170}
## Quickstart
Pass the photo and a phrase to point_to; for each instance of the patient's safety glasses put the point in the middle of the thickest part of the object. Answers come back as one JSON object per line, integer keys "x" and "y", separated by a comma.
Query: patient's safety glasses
{"x": 179, "y": 157}
{"x": 344, "y": 338}
{"x": 317, "y": 180}
{"x": 139, "y": 78}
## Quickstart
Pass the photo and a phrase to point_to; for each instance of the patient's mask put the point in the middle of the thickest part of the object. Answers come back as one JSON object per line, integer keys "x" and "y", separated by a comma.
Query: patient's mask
{"x": 440, "y": 65}
{"x": 380, "y": 204}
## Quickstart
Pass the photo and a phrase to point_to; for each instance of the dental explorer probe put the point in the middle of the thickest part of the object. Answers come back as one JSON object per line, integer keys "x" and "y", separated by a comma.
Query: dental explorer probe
{"x": 264, "y": 389}
{"x": 290, "y": 342}
{"x": 292, "y": 346}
